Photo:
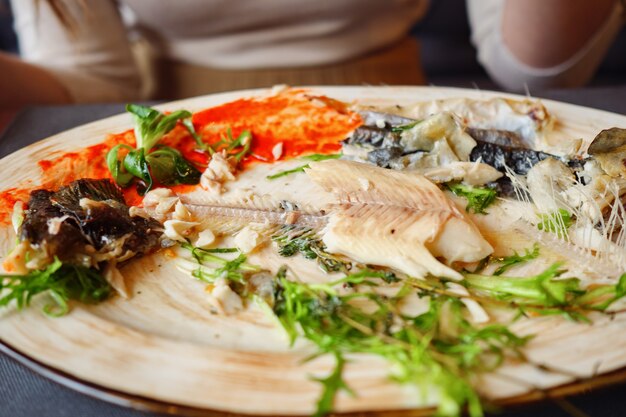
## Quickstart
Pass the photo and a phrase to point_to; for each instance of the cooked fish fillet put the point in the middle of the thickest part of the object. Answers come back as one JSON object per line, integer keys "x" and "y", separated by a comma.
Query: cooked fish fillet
{"x": 395, "y": 219}
{"x": 372, "y": 215}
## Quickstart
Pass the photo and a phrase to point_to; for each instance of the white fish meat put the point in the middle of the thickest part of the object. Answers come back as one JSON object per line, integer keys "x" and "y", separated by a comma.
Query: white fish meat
{"x": 369, "y": 214}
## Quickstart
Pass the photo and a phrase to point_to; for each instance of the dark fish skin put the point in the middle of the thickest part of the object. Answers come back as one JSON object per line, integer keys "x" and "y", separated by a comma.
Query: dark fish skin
{"x": 35, "y": 226}
{"x": 498, "y": 148}
{"x": 68, "y": 198}
{"x": 98, "y": 225}
{"x": 517, "y": 159}
{"x": 497, "y": 137}
{"x": 608, "y": 140}
{"x": 370, "y": 136}
{"x": 382, "y": 156}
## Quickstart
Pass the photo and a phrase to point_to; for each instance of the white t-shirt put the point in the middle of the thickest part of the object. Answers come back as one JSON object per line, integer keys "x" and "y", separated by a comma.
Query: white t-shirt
{"x": 485, "y": 18}
{"x": 96, "y": 63}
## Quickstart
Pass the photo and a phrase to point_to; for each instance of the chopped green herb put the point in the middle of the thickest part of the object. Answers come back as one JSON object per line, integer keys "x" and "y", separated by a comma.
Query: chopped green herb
{"x": 293, "y": 239}
{"x": 63, "y": 282}
{"x": 409, "y": 126}
{"x": 280, "y": 174}
{"x": 212, "y": 266}
{"x": 515, "y": 259}
{"x": 557, "y": 222}
{"x": 332, "y": 384}
{"x": 316, "y": 157}
{"x": 236, "y": 148}
{"x": 420, "y": 350}
{"x": 547, "y": 292}
{"x": 478, "y": 199}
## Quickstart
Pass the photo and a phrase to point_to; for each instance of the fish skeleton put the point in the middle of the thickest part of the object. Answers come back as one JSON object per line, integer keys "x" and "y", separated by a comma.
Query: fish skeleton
{"x": 372, "y": 215}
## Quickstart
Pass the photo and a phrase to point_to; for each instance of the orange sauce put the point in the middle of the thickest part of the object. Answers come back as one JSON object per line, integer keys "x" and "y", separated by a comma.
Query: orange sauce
{"x": 303, "y": 125}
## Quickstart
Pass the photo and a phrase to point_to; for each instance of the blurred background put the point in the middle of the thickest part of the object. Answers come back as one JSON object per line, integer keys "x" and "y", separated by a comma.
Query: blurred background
{"x": 445, "y": 51}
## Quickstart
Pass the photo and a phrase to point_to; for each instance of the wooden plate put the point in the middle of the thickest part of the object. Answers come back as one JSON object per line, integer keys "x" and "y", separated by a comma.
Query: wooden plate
{"x": 164, "y": 345}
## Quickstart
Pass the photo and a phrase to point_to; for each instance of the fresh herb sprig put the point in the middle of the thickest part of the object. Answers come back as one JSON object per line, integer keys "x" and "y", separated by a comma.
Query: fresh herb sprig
{"x": 296, "y": 239}
{"x": 212, "y": 266}
{"x": 149, "y": 161}
{"x": 547, "y": 293}
{"x": 478, "y": 199}
{"x": 316, "y": 157}
{"x": 418, "y": 348}
{"x": 63, "y": 282}
{"x": 509, "y": 261}
{"x": 437, "y": 349}
{"x": 234, "y": 147}
{"x": 557, "y": 222}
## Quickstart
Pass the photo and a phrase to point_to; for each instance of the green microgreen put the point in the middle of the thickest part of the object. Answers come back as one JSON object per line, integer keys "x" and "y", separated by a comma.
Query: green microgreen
{"x": 62, "y": 282}
{"x": 294, "y": 239}
{"x": 516, "y": 259}
{"x": 557, "y": 222}
{"x": 478, "y": 199}
{"x": 150, "y": 162}
{"x": 316, "y": 157}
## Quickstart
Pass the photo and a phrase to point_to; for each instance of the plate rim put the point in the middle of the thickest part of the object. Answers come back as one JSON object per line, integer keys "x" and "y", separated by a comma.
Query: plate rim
{"x": 139, "y": 402}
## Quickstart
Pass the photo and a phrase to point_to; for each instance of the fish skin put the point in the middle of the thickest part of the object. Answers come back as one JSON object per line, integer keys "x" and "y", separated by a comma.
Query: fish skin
{"x": 498, "y": 148}
{"x": 390, "y": 218}
{"x": 97, "y": 226}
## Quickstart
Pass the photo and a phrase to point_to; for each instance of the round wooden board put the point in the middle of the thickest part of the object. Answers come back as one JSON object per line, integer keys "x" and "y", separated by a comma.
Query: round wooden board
{"x": 163, "y": 346}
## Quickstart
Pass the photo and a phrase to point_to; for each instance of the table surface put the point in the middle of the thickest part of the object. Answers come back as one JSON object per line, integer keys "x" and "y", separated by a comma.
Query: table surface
{"x": 25, "y": 393}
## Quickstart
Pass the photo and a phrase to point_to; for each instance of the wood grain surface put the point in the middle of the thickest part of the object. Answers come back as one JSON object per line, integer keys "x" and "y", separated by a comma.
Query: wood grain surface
{"x": 165, "y": 344}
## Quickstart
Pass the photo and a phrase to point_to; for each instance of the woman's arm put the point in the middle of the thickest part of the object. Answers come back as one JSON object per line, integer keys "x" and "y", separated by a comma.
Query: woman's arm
{"x": 545, "y": 33}
{"x": 92, "y": 62}
{"x": 22, "y": 84}
{"x": 538, "y": 44}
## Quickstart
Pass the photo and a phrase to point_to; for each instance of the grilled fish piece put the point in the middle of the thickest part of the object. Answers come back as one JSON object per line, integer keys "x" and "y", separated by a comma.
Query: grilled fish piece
{"x": 395, "y": 219}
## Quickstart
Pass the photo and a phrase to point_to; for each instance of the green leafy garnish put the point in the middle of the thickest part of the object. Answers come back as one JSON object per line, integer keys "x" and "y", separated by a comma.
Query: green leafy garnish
{"x": 316, "y": 157}
{"x": 211, "y": 266}
{"x": 168, "y": 167}
{"x": 63, "y": 282}
{"x": 438, "y": 349}
{"x": 547, "y": 293}
{"x": 420, "y": 350}
{"x": 557, "y": 222}
{"x": 150, "y": 162}
{"x": 236, "y": 148}
{"x": 151, "y": 125}
{"x": 515, "y": 259}
{"x": 294, "y": 239}
{"x": 332, "y": 384}
{"x": 478, "y": 199}
{"x": 119, "y": 174}
{"x": 135, "y": 164}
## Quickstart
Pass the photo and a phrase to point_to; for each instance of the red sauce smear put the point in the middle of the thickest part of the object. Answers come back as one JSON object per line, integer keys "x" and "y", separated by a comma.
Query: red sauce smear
{"x": 304, "y": 124}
